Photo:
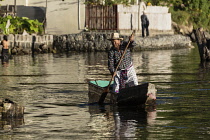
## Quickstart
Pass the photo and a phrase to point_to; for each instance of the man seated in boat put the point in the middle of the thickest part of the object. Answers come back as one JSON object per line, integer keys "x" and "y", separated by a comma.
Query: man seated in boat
{"x": 125, "y": 75}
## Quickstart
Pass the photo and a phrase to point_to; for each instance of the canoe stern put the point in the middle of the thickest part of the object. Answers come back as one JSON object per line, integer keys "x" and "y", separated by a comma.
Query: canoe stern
{"x": 95, "y": 93}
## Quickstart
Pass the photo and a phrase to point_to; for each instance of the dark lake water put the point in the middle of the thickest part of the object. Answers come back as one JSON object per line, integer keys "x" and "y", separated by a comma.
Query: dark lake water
{"x": 54, "y": 91}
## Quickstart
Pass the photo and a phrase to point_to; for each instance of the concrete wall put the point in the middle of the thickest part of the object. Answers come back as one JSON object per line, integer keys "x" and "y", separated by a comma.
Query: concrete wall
{"x": 129, "y": 17}
{"x": 39, "y": 3}
{"x": 25, "y": 41}
{"x": 11, "y": 2}
{"x": 64, "y": 17}
{"x": 159, "y": 18}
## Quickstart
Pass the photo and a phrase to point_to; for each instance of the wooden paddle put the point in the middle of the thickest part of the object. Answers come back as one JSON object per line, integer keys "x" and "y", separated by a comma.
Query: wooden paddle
{"x": 104, "y": 94}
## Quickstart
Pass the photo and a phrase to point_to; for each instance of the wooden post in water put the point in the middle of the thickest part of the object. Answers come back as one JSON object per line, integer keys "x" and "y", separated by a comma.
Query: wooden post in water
{"x": 9, "y": 109}
{"x": 11, "y": 114}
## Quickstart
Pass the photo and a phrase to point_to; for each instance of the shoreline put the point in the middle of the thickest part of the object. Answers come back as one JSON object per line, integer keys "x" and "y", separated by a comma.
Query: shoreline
{"x": 91, "y": 42}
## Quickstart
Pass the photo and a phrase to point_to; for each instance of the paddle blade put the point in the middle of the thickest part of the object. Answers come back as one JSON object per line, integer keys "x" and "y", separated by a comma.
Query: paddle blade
{"x": 102, "y": 98}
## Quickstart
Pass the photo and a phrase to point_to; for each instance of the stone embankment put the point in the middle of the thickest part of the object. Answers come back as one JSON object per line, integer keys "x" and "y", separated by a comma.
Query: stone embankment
{"x": 89, "y": 42}
{"x": 27, "y": 44}
{"x": 163, "y": 42}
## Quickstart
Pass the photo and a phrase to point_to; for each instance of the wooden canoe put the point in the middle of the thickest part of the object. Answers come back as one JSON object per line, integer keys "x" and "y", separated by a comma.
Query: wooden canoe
{"x": 136, "y": 95}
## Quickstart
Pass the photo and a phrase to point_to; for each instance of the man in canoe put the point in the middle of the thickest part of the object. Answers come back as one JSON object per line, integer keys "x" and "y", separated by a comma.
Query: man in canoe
{"x": 125, "y": 75}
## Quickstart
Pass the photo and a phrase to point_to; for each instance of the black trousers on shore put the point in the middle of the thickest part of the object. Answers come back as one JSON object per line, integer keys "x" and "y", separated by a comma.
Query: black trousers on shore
{"x": 145, "y": 27}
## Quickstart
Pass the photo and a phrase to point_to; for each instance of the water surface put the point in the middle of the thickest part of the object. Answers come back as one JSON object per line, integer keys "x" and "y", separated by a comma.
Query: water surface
{"x": 53, "y": 89}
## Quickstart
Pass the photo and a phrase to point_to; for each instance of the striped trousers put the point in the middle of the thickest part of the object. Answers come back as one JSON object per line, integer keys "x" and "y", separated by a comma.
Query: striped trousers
{"x": 131, "y": 79}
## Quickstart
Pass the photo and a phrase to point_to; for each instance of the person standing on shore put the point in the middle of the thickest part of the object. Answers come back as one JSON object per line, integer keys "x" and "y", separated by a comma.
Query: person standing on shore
{"x": 5, "y": 49}
{"x": 125, "y": 74}
{"x": 144, "y": 24}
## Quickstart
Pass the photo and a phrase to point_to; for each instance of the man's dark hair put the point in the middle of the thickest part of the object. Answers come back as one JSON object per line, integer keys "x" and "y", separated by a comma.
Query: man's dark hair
{"x": 5, "y": 37}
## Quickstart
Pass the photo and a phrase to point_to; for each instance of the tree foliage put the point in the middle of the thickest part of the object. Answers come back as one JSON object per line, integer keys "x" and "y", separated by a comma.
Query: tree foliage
{"x": 19, "y": 24}
{"x": 196, "y": 12}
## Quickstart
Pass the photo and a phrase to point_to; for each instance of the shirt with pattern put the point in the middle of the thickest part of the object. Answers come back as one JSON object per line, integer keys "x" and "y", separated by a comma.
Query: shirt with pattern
{"x": 114, "y": 57}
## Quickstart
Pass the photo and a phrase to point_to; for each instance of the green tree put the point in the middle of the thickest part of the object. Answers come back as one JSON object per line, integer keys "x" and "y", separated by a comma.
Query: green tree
{"x": 19, "y": 24}
{"x": 186, "y": 12}
{"x": 199, "y": 11}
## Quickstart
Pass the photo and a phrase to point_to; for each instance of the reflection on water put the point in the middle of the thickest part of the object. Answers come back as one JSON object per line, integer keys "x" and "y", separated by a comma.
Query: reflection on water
{"x": 54, "y": 91}
{"x": 10, "y": 123}
{"x": 120, "y": 123}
